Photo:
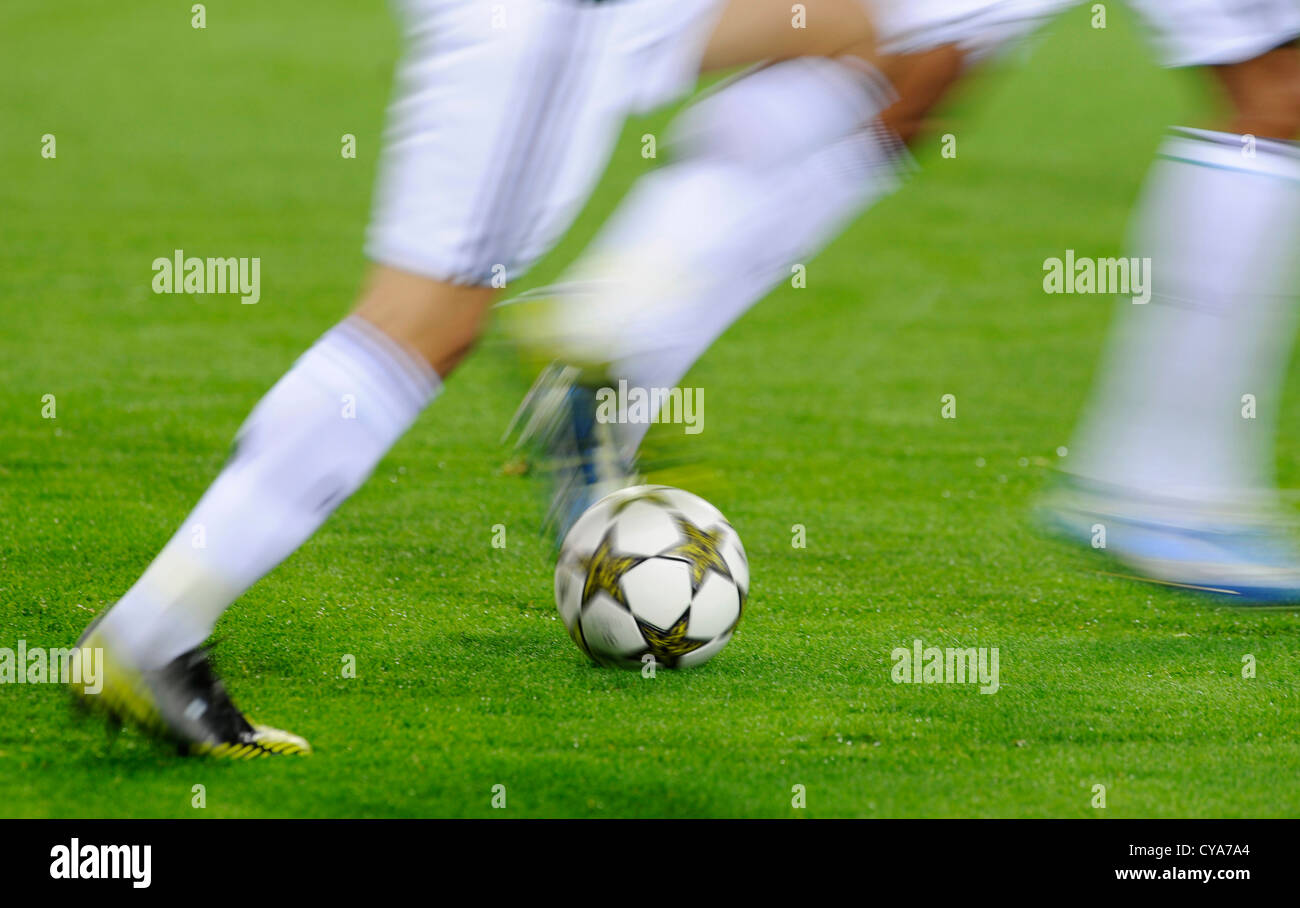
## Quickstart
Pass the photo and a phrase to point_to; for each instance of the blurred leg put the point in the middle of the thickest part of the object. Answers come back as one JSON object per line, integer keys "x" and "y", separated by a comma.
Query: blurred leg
{"x": 480, "y": 127}
{"x": 765, "y": 171}
{"x": 1179, "y": 433}
{"x": 1264, "y": 93}
{"x": 436, "y": 320}
{"x": 750, "y": 31}
{"x": 1218, "y": 221}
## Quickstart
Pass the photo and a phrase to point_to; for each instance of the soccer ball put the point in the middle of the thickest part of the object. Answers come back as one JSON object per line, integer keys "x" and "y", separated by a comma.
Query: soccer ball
{"x": 651, "y": 573}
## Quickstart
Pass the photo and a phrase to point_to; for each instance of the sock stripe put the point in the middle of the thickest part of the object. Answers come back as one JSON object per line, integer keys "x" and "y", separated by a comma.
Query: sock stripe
{"x": 341, "y": 369}
{"x": 1229, "y": 151}
{"x": 406, "y": 374}
{"x": 1233, "y": 140}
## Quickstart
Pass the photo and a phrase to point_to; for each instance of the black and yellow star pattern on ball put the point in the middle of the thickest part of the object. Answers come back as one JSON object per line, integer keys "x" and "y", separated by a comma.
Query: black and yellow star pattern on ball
{"x": 670, "y": 645}
{"x": 604, "y": 571}
{"x": 700, "y": 549}
{"x": 652, "y": 495}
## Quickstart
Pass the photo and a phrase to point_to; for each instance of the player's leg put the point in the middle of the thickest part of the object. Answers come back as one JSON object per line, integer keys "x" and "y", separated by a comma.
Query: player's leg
{"x": 755, "y": 219}
{"x": 503, "y": 121}
{"x": 493, "y": 132}
{"x": 1174, "y": 457}
{"x": 742, "y": 211}
{"x": 749, "y": 31}
{"x": 763, "y": 168}
{"x": 1264, "y": 93}
{"x": 766, "y": 170}
{"x": 440, "y": 319}
{"x": 436, "y": 320}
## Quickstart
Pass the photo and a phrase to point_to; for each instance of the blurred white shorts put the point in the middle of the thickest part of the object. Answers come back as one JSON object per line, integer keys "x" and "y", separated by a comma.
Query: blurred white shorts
{"x": 505, "y": 113}
{"x": 1183, "y": 32}
{"x": 504, "y": 117}
{"x": 1211, "y": 32}
{"x": 979, "y": 27}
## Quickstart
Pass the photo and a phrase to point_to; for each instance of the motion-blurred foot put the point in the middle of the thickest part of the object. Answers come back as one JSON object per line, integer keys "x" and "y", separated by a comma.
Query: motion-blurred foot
{"x": 580, "y": 454}
{"x": 1245, "y": 557}
{"x": 183, "y": 701}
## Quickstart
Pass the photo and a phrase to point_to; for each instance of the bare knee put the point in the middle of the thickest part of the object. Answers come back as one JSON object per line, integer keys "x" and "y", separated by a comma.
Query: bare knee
{"x": 922, "y": 81}
{"x": 1265, "y": 94}
{"x": 436, "y": 320}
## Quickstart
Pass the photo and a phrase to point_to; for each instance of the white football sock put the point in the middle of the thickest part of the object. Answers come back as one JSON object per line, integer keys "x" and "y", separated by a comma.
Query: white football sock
{"x": 771, "y": 219}
{"x": 771, "y": 167}
{"x": 307, "y": 445}
{"x": 1220, "y": 228}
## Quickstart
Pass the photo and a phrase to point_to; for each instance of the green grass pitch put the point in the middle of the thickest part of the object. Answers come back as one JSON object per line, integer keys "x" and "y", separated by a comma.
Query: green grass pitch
{"x": 823, "y": 409}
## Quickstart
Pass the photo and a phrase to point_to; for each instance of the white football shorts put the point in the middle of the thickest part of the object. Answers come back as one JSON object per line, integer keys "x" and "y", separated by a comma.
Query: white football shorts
{"x": 505, "y": 113}
{"x": 503, "y": 119}
{"x": 1212, "y": 32}
{"x": 979, "y": 27}
{"x": 1183, "y": 32}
